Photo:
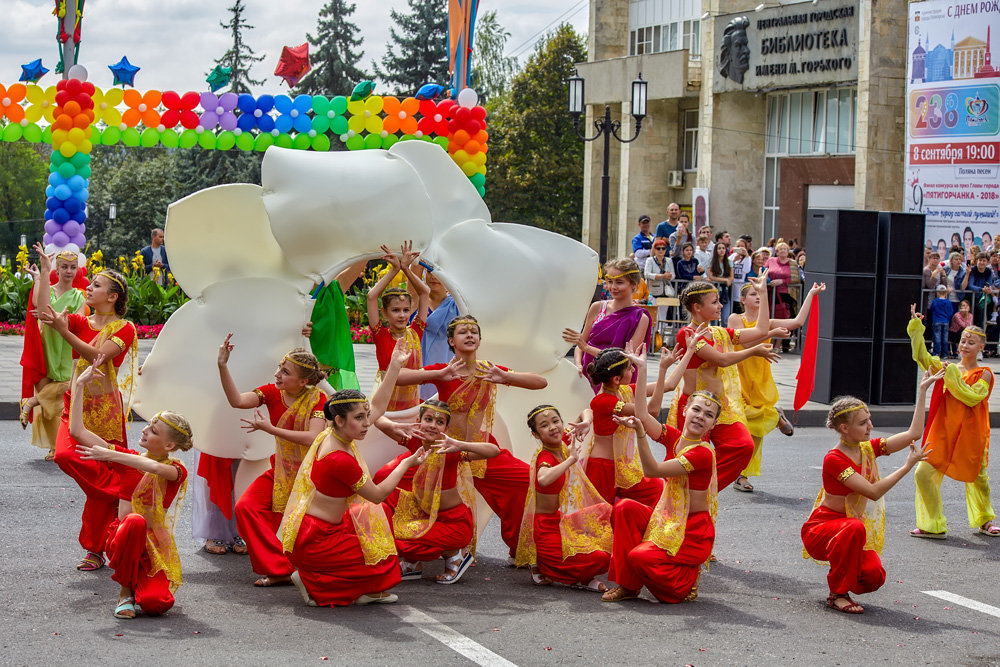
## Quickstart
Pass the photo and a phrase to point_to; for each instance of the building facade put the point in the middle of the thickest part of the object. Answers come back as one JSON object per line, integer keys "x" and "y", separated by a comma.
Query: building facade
{"x": 772, "y": 107}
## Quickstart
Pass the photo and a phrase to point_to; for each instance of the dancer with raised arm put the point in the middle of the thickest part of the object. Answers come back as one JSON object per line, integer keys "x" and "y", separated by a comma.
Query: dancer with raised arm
{"x": 847, "y": 526}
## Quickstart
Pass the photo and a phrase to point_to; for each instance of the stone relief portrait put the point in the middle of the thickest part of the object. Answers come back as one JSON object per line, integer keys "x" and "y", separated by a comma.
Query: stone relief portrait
{"x": 734, "y": 55}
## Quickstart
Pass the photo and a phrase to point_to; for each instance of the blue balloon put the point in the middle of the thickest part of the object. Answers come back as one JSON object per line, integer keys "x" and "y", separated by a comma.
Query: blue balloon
{"x": 265, "y": 123}
{"x": 265, "y": 103}
{"x": 50, "y": 191}
{"x": 246, "y": 103}
{"x": 246, "y": 122}
{"x": 283, "y": 123}
{"x": 55, "y": 178}
{"x": 82, "y": 215}
{"x": 75, "y": 184}
{"x": 52, "y": 203}
{"x": 48, "y": 214}
{"x": 63, "y": 192}
{"x": 84, "y": 194}
{"x": 60, "y": 216}
{"x": 73, "y": 205}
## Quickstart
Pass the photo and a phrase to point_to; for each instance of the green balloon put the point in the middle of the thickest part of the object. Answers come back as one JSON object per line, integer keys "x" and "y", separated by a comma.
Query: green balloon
{"x": 320, "y": 105}
{"x": 66, "y": 170}
{"x": 33, "y": 133}
{"x": 57, "y": 159}
{"x": 47, "y": 134}
{"x": 321, "y": 143}
{"x": 339, "y": 104}
{"x": 302, "y": 141}
{"x": 170, "y": 139}
{"x": 188, "y": 139}
{"x": 320, "y": 123}
{"x": 206, "y": 140}
{"x": 225, "y": 141}
{"x": 262, "y": 141}
{"x": 338, "y": 125}
{"x": 13, "y": 132}
{"x": 283, "y": 140}
{"x": 355, "y": 143}
{"x": 149, "y": 137}
{"x": 80, "y": 160}
{"x": 373, "y": 141}
{"x": 95, "y": 135}
{"x": 478, "y": 179}
{"x": 441, "y": 141}
{"x": 387, "y": 142}
{"x": 481, "y": 190}
{"x": 131, "y": 137}
{"x": 245, "y": 141}
{"x": 84, "y": 171}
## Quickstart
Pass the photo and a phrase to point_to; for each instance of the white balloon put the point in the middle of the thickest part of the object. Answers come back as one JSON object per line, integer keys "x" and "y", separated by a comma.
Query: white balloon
{"x": 468, "y": 98}
{"x": 78, "y": 72}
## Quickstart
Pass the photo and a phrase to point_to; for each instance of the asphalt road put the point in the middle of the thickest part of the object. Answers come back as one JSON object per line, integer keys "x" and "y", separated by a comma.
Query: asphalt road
{"x": 762, "y": 603}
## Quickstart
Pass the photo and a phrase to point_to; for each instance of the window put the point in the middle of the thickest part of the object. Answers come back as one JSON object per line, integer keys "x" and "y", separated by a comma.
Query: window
{"x": 812, "y": 122}
{"x": 664, "y": 25}
{"x": 690, "y": 140}
{"x": 644, "y": 40}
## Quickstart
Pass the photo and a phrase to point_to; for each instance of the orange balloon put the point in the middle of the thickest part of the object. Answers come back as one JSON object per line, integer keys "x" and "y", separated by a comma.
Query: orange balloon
{"x": 82, "y": 121}
{"x": 62, "y": 122}
{"x": 72, "y": 108}
{"x": 408, "y": 125}
{"x": 471, "y": 146}
{"x": 410, "y": 105}
{"x": 482, "y": 136}
{"x": 484, "y": 148}
{"x": 391, "y": 106}
{"x": 391, "y": 122}
{"x": 461, "y": 137}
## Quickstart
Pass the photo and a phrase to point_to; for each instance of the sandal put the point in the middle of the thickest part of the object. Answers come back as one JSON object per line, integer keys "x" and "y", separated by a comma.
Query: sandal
{"x": 51, "y": 456}
{"x": 25, "y": 415}
{"x": 784, "y": 425}
{"x": 376, "y": 598}
{"x": 693, "y": 595}
{"x": 454, "y": 567}
{"x": 743, "y": 484}
{"x": 916, "y": 532}
{"x": 268, "y": 582}
{"x": 91, "y": 562}
{"x": 240, "y": 547}
{"x": 617, "y": 594}
{"x": 989, "y": 528}
{"x": 595, "y": 585}
{"x": 409, "y": 570}
{"x": 537, "y": 578}
{"x": 297, "y": 580}
{"x": 125, "y": 608}
{"x": 217, "y": 547}
{"x": 851, "y": 608}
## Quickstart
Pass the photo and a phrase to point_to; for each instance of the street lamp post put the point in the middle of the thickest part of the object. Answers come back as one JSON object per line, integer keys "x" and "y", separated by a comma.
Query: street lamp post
{"x": 606, "y": 127}
{"x": 112, "y": 214}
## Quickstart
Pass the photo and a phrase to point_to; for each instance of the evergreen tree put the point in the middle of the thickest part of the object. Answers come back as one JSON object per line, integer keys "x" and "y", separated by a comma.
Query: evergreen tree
{"x": 336, "y": 55}
{"x": 239, "y": 57}
{"x": 535, "y": 169}
{"x": 491, "y": 69}
{"x": 418, "y": 47}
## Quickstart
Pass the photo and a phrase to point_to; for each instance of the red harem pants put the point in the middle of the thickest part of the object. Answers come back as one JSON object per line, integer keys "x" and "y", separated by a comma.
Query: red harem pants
{"x": 329, "y": 559}
{"x": 127, "y": 556}
{"x": 99, "y": 484}
{"x": 601, "y": 473}
{"x": 504, "y": 488}
{"x": 733, "y": 446}
{"x": 389, "y": 504}
{"x": 832, "y": 536}
{"x": 580, "y": 568}
{"x": 636, "y": 563}
{"x": 258, "y": 526}
{"x": 452, "y": 530}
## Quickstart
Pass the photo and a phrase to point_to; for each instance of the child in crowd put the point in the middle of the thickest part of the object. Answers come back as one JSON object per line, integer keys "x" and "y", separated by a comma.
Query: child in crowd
{"x": 941, "y": 312}
{"x": 959, "y": 321}
{"x": 687, "y": 266}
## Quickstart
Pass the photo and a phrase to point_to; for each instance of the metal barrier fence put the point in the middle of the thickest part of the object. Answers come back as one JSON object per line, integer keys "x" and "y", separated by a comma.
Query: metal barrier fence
{"x": 984, "y": 309}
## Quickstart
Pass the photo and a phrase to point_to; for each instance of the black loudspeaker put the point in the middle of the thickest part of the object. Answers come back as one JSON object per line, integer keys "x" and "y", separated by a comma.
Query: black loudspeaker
{"x": 892, "y": 309}
{"x": 843, "y": 368}
{"x": 900, "y": 244}
{"x": 847, "y": 308}
{"x": 894, "y": 374}
{"x": 843, "y": 241}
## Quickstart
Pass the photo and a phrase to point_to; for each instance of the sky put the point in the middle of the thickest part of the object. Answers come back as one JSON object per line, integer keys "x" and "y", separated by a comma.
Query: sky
{"x": 176, "y": 42}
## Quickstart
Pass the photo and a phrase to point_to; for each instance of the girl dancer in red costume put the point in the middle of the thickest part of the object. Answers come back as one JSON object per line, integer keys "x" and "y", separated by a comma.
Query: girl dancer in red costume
{"x": 713, "y": 368}
{"x": 469, "y": 386}
{"x": 140, "y": 543}
{"x": 566, "y": 528}
{"x": 334, "y": 529}
{"x": 844, "y": 528}
{"x": 105, "y": 334}
{"x": 295, "y": 410}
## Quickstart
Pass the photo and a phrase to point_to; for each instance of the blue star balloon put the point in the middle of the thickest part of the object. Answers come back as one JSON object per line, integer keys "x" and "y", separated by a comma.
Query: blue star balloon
{"x": 124, "y": 72}
{"x": 429, "y": 91}
{"x": 33, "y": 71}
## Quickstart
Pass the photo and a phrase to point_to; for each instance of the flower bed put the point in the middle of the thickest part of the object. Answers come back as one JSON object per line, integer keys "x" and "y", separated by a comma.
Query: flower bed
{"x": 360, "y": 334}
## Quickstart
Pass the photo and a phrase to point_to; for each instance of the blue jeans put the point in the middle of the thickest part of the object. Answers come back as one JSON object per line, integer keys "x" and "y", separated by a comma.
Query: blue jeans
{"x": 940, "y": 330}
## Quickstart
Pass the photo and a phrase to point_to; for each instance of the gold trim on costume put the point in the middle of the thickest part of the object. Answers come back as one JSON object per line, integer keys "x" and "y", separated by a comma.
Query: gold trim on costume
{"x": 685, "y": 463}
{"x": 360, "y": 483}
{"x": 318, "y": 414}
{"x": 700, "y": 344}
{"x": 845, "y": 473}
{"x": 736, "y": 336}
{"x": 172, "y": 424}
{"x": 118, "y": 341}
{"x": 109, "y": 276}
{"x": 618, "y": 407}
{"x": 260, "y": 396}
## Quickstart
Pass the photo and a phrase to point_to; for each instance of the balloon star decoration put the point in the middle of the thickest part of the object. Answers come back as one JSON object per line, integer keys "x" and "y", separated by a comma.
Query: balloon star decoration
{"x": 124, "y": 72}
{"x": 219, "y": 77}
{"x": 362, "y": 91}
{"x": 33, "y": 71}
{"x": 293, "y": 64}
{"x": 248, "y": 256}
{"x": 430, "y": 91}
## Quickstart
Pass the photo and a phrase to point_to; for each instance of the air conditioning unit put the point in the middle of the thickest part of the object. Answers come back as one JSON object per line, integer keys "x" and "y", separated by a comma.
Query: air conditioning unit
{"x": 675, "y": 179}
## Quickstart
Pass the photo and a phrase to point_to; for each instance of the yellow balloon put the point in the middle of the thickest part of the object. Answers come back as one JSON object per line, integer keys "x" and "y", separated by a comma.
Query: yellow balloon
{"x": 58, "y": 137}
{"x": 67, "y": 149}
{"x": 481, "y": 170}
{"x": 469, "y": 168}
{"x": 356, "y": 108}
{"x": 373, "y": 124}
{"x": 374, "y": 105}
{"x": 479, "y": 159}
{"x": 461, "y": 157}
{"x": 85, "y": 146}
{"x": 35, "y": 94}
{"x": 356, "y": 123}
{"x": 76, "y": 135}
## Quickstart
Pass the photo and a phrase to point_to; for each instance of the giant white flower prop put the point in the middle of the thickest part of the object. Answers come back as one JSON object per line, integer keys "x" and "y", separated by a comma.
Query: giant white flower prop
{"x": 248, "y": 256}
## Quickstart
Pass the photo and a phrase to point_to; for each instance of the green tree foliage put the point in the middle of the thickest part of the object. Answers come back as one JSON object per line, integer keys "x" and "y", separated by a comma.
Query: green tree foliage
{"x": 336, "y": 52}
{"x": 240, "y": 57}
{"x": 418, "y": 47}
{"x": 535, "y": 169}
{"x": 491, "y": 69}
{"x": 199, "y": 169}
{"x": 23, "y": 174}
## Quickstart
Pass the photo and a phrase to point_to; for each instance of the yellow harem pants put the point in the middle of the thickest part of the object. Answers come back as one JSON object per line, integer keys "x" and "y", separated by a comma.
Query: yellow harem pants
{"x": 930, "y": 514}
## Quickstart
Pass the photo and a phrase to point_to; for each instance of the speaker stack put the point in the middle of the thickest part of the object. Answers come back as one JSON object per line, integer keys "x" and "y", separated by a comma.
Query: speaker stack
{"x": 871, "y": 263}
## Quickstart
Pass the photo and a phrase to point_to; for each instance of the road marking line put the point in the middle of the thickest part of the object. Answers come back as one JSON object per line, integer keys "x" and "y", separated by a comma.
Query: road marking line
{"x": 456, "y": 641}
{"x": 966, "y": 602}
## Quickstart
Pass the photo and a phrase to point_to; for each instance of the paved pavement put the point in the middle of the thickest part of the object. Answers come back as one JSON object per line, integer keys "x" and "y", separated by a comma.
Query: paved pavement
{"x": 812, "y": 414}
{"x": 761, "y": 604}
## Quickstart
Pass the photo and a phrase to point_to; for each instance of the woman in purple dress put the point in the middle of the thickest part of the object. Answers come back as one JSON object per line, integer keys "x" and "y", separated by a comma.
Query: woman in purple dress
{"x": 615, "y": 323}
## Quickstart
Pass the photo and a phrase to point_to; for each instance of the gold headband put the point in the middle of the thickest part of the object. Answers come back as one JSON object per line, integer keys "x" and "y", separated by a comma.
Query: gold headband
{"x": 707, "y": 397}
{"x": 68, "y": 255}
{"x": 846, "y": 410}
{"x": 618, "y": 363}
{"x": 444, "y": 411}
{"x": 109, "y": 276}
{"x": 395, "y": 290}
{"x": 703, "y": 290}
{"x": 463, "y": 321}
{"x": 341, "y": 401}
{"x": 540, "y": 410}
{"x": 973, "y": 331}
{"x": 746, "y": 287}
{"x": 299, "y": 363}
{"x": 623, "y": 273}
{"x": 172, "y": 424}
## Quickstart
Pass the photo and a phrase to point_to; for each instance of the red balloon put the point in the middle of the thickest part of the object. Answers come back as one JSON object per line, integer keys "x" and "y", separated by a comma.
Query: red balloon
{"x": 473, "y": 126}
{"x": 73, "y": 86}
{"x": 61, "y": 84}
{"x": 190, "y": 100}
{"x": 428, "y": 108}
{"x": 189, "y": 119}
{"x": 85, "y": 101}
{"x": 462, "y": 115}
{"x": 447, "y": 107}
{"x": 171, "y": 100}
{"x": 454, "y": 126}
{"x": 479, "y": 113}
{"x": 426, "y": 125}
{"x": 62, "y": 97}
{"x": 88, "y": 88}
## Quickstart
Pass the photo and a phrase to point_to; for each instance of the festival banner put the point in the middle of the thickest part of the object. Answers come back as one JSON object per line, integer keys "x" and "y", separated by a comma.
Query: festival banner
{"x": 953, "y": 122}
